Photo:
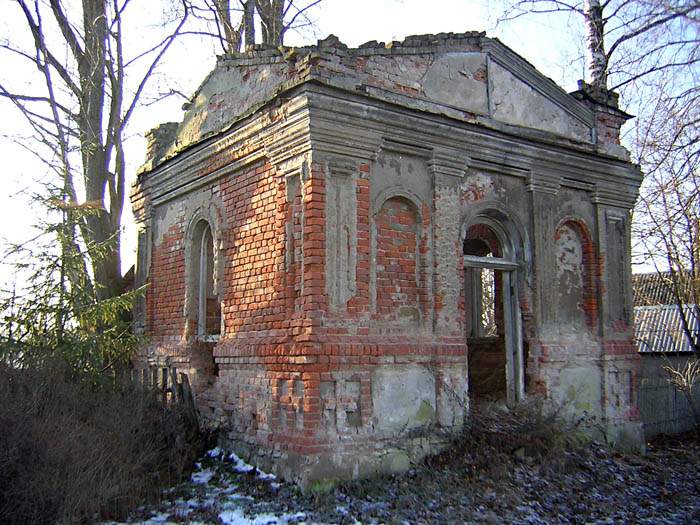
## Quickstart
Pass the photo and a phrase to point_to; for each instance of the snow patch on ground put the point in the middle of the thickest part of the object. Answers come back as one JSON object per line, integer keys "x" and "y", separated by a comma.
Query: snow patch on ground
{"x": 599, "y": 487}
{"x": 212, "y": 496}
{"x": 215, "y": 452}
{"x": 242, "y": 466}
{"x": 237, "y": 517}
{"x": 239, "y": 464}
{"x": 202, "y": 476}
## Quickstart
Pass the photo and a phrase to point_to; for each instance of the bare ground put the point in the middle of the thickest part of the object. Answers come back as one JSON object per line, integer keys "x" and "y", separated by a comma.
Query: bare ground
{"x": 497, "y": 472}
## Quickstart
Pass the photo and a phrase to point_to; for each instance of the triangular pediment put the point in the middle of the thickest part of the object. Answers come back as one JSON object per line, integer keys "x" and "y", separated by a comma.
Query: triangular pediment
{"x": 464, "y": 76}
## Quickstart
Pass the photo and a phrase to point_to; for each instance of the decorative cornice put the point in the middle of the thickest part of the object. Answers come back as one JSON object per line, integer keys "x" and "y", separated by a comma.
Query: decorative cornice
{"x": 342, "y": 167}
{"x": 332, "y": 137}
{"x": 451, "y": 163}
{"x": 411, "y": 149}
{"x": 496, "y": 151}
{"x": 286, "y": 139}
{"x": 617, "y": 199}
{"x": 578, "y": 185}
{"x": 544, "y": 182}
{"x": 501, "y": 164}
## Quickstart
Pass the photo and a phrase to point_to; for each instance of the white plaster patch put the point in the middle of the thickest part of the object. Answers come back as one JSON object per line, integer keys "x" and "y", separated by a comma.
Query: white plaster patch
{"x": 477, "y": 187}
{"x": 569, "y": 257}
{"x": 403, "y": 397}
{"x": 166, "y": 216}
{"x": 577, "y": 390}
{"x": 225, "y": 95}
{"x": 449, "y": 285}
{"x": 515, "y": 102}
{"x": 570, "y": 280}
{"x": 459, "y": 80}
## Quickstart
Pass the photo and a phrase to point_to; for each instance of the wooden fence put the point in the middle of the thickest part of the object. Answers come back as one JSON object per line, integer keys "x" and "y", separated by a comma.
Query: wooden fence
{"x": 664, "y": 410}
{"x": 173, "y": 386}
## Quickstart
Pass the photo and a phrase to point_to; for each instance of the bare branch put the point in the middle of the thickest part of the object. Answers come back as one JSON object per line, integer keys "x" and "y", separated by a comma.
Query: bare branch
{"x": 646, "y": 72}
{"x": 649, "y": 26}
{"x": 152, "y": 67}
{"x": 38, "y": 44}
{"x": 67, "y": 31}
{"x": 300, "y": 11}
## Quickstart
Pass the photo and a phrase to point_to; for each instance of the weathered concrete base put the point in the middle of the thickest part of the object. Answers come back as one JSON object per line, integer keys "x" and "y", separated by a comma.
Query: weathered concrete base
{"x": 325, "y": 469}
{"x": 626, "y": 436}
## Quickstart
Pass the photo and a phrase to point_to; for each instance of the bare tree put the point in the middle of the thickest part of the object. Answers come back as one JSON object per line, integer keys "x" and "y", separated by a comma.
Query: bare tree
{"x": 249, "y": 22}
{"x": 234, "y": 22}
{"x": 232, "y": 34}
{"x": 667, "y": 216}
{"x": 628, "y": 39}
{"x": 85, "y": 94}
{"x": 686, "y": 379}
{"x": 277, "y": 16}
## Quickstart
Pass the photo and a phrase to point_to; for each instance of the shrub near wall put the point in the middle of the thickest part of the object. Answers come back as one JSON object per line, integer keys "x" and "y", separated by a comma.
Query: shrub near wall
{"x": 73, "y": 451}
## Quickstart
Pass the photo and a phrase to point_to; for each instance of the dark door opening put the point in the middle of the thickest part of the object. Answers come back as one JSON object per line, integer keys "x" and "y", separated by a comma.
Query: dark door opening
{"x": 493, "y": 330}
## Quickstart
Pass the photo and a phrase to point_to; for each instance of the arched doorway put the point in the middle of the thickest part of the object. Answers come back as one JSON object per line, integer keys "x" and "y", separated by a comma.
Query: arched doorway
{"x": 492, "y": 314}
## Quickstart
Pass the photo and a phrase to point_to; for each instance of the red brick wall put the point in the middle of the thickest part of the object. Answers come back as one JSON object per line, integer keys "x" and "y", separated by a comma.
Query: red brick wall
{"x": 608, "y": 127}
{"x": 286, "y": 375}
{"x": 252, "y": 288}
{"x": 165, "y": 298}
{"x": 398, "y": 266}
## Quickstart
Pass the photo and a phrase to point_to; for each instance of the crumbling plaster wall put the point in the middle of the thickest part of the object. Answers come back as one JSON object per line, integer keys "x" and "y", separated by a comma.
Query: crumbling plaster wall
{"x": 587, "y": 358}
{"x": 573, "y": 358}
{"x": 515, "y": 102}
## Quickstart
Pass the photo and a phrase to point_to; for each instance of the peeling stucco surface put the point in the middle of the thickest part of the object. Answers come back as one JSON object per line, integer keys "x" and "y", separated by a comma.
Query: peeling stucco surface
{"x": 226, "y": 94}
{"x": 459, "y": 80}
{"x": 569, "y": 268}
{"x": 477, "y": 187}
{"x": 403, "y": 398}
{"x": 451, "y": 76}
{"x": 514, "y": 102}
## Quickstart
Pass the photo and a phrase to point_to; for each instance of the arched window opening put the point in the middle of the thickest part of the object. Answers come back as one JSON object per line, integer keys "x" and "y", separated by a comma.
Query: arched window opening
{"x": 206, "y": 304}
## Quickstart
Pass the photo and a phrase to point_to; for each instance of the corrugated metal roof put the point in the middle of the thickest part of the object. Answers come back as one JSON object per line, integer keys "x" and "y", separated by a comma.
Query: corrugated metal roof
{"x": 652, "y": 289}
{"x": 660, "y": 329}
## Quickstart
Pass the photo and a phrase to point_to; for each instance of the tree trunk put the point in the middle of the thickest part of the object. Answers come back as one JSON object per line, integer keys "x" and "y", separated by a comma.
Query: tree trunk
{"x": 101, "y": 232}
{"x": 232, "y": 36}
{"x": 85, "y": 86}
{"x": 249, "y": 22}
{"x": 272, "y": 21}
{"x": 598, "y": 65}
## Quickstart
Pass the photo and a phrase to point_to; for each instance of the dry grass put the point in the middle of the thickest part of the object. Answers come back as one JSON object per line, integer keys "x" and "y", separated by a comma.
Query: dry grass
{"x": 533, "y": 431}
{"x": 73, "y": 452}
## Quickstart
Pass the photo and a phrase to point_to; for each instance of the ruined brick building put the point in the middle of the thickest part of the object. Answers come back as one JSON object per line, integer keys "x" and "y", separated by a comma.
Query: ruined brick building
{"x": 347, "y": 247}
